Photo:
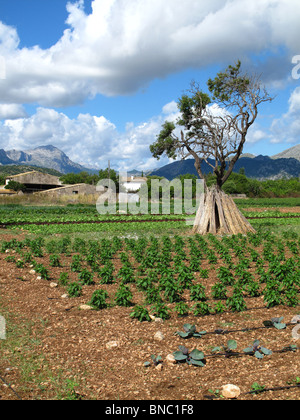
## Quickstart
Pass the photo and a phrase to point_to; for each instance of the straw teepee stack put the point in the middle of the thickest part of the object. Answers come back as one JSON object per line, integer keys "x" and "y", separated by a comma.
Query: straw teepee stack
{"x": 219, "y": 215}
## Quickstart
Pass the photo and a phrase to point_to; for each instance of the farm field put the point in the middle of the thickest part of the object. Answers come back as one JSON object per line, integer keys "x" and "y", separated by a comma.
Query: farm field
{"x": 95, "y": 305}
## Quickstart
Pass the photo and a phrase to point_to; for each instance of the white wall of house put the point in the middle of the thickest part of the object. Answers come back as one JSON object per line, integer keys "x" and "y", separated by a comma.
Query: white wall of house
{"x": 132, "y": 186}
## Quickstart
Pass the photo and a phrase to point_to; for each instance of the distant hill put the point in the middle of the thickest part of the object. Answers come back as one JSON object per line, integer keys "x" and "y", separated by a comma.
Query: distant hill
{"x": 259, "y": 167}
{"x": 9, "y": 170}
{"x": 43, "y": 157}
{"x": 293, "y": 152}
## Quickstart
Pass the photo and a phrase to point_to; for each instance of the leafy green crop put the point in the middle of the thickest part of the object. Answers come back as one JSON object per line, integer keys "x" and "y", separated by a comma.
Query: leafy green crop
{"x": 141, "y": 313}
{"x": 195, "y": 357}
{"x": 257, "y": 350}
{"x": 123, "y": 296}
{"x": 98, "y": 299}
{"x": 74, "y": 289}
{"x": 190, "y": 331}
{"x": 228, "y": 349}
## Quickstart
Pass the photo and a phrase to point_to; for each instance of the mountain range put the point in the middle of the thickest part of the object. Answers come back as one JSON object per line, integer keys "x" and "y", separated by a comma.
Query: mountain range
{"x": 282, "y": 165}
{"x": 43, "y": 156}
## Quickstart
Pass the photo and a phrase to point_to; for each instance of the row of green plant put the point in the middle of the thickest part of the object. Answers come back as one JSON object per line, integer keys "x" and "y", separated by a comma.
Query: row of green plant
{"x": 166, "y": 271}
{"x": 85, "y": 214}
{"x": 257, "y": 388}
{"x": 228, "y": 350}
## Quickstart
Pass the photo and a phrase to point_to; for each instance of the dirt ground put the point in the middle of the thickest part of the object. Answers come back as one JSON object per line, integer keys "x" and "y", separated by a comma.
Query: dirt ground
{"x": 67, "y": 342}
{"x": 280, "y": 209}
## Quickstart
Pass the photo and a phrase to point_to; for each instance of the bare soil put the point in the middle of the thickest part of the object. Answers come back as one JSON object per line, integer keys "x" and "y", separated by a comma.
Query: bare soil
{"x": 281, "y": 209}
{"x": 70, "y": 343}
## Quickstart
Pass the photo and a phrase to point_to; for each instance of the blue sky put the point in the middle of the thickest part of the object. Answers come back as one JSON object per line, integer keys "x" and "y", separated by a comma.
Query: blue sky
{"x": 97, "y": 78}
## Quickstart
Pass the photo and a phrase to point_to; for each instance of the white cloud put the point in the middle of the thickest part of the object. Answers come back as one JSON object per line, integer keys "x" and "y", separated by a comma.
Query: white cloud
{"x": 170, "y": 108}
{"x": 286, "y": 129}
{"x": 89, "y": 140}
{"x": 11, "y": 111}
{"x": 121, "y": 46}
{"x": 255, "y": 135}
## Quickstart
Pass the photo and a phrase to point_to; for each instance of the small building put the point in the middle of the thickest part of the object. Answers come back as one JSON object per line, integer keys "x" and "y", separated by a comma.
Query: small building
{"x": 77, "y": 189}
{"x": 50, "y": 186}
{"x": 35, "y": 181}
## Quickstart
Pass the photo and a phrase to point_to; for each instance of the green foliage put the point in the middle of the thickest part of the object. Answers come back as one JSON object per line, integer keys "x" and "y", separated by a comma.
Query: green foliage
{"x": 106, "y": 274}
{"x": 236, "y": 302}
{"x": 231, "y": 90}
{"x": 219, "y": 308}
{"x": 42, "y": 271}
{"x": 160, "y": 310}
{"x": 262, "y": 265}
{"x": 15, "y": 186}
{"x": 201, "y": 309}
{"x": 91, "y": 179}
{"x": 195, "y": 357}
{"x": 229, "y": 84}
{"x": 36, "y": 247}
{"x": 71, "y": 394}
{"x": 190, "y": 331}
{"x": 256, "y": 388}
{"x": 272, "y": 294}
{"x": 257, "y": 350}
{"x": 98, "y": 299}
{"x": 219, "y": 291}
{"x": 126, "y": 273}
{"x": 63, "y": 279}
{"x": 54, "y": 261}
{"x": 20, "y": 264}
{"x": 228, "y": 348}
{"x": 74, "y": 289}
{"x": 152, "y": 295}
{"x": 276, "y": 323}
{"x": 239, "y": 183}
{"x": 203, "y": 273}
{"x": 123, "y": 296}
{"x": 86, "y": 277}
{"x": 10, "y": 259}
{"x": 197, "y": 293}
{"x": 140, "y": 313}
{"x": 9, "y": 170}
{"x": 76, "y": 264}
{"x": 225, "y": 276}
{"x": 182, "y": 309}
{"x": 156, "y": 360}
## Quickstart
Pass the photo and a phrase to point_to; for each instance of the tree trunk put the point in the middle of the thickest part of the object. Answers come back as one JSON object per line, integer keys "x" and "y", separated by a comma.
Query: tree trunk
{"x": 219, "y": 215}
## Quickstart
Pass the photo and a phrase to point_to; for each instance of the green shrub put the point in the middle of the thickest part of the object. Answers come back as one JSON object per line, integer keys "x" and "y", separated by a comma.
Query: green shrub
{"x": 86, "y": 277}
{"x": 54, "y": 261}
{"x": 123, "y": 296}
{"x": 141, "y": 313}
{"x": 63, "y": 279}
{"x": 74, "y": 290}
{"x": 98, "y": 299}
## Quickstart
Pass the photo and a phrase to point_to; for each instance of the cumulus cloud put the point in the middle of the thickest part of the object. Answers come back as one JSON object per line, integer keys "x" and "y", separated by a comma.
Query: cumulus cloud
{"x": 287, "y": 128}
{"x": 87, "y": 139}
{"x": 121, "y": 46}
{"x": 11, "y": 111}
